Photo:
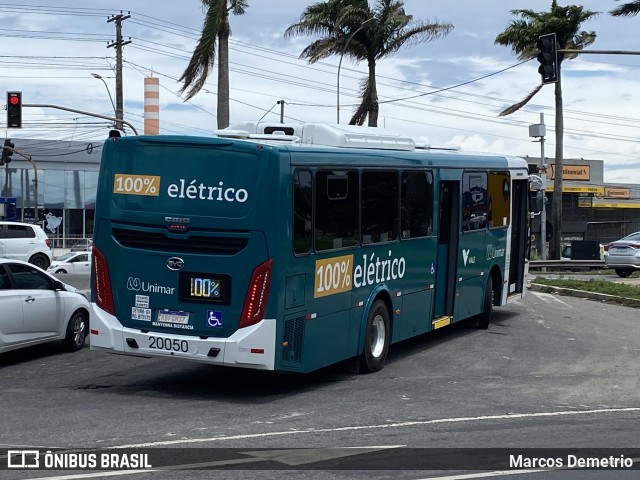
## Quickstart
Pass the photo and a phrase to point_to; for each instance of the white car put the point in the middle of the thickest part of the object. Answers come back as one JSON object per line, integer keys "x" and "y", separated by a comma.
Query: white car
{"x": 35, "y": 307}
{"x": 72, "y": 262}
{"x": 624, "y": 255}
{"x": 23, "y": 241}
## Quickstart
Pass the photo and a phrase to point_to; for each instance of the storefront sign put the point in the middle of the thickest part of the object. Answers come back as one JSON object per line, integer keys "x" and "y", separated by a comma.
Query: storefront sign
{"x": 622, "y": 193}
{"x": 571, "y": 172}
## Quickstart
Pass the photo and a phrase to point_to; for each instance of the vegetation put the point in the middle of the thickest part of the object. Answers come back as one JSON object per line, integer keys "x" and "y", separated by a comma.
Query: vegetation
{"x": 353, "y": 28}
{"x": 215, "y": 33}
{"x": 622, "y": 290}
{"x": 522, "y": 35}
{"x": 628, "y": 9}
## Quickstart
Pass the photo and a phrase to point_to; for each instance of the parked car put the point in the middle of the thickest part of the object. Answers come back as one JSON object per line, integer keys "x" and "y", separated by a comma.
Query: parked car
{"x": 37, "y": 308}
{"x": 72, "y": 262}
{"x": 83, "y": 245}
{"x": 624, "y": 255}
{"x": 23, "y": 241}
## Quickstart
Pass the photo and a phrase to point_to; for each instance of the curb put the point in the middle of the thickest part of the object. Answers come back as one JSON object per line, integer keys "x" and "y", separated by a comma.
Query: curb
{"x": 600, "y": 297}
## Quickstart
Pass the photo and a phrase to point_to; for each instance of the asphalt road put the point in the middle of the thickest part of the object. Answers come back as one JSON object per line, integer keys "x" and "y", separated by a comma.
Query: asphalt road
{"x": 552, "y": 372}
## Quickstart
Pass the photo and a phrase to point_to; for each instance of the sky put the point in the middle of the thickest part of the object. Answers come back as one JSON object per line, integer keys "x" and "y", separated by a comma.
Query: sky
{"x": 49, "y": 53}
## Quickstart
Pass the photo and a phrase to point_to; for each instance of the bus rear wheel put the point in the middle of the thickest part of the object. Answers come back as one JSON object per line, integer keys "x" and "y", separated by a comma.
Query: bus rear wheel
{"x": 376, "y": 338}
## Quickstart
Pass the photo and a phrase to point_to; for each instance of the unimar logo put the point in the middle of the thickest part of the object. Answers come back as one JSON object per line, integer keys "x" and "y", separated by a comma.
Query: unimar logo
{"x": 134, "y": 284}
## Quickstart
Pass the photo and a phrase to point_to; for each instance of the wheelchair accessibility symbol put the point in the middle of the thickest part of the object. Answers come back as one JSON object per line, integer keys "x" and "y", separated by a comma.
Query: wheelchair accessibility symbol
{"x": 214, "y": 318}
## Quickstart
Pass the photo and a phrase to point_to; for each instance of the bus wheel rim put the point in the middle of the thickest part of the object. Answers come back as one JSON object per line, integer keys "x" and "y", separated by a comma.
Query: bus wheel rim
{"x": 377, "y": 336}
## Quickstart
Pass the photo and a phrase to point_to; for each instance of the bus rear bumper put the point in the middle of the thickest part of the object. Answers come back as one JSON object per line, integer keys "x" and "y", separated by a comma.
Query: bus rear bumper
{"x": 249, "y": 347}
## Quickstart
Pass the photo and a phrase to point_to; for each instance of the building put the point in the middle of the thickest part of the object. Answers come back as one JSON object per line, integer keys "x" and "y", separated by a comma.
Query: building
{"x": 591, "y": 208}
{"x": 67, "y": 179}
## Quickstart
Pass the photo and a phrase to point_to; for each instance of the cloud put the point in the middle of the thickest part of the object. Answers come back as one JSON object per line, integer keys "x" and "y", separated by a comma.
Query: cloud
{"x": 599, "y": 91}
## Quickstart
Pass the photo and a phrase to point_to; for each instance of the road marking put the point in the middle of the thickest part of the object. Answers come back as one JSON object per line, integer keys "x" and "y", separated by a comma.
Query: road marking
{"x": 414, "y": 423}
{"x": 497, "y": 473}
{"x": 343, "y": 429}
{"x": 545, "y": 297}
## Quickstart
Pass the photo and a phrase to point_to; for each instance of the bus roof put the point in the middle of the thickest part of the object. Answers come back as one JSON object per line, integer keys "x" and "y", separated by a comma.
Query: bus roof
{"x": 375, "y": 144}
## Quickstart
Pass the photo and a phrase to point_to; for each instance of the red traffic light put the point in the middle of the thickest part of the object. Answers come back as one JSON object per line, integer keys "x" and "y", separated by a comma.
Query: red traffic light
{"x": 14, "y": 109}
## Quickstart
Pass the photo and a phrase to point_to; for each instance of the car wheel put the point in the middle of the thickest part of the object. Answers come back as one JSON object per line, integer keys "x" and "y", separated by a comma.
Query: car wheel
{"x": 623, "y": 273}
{"x": 76, "y": 332}
{"x": 376, "y": 338}
{"x": 61, "y": 270}
{"x": 40, "y": 260}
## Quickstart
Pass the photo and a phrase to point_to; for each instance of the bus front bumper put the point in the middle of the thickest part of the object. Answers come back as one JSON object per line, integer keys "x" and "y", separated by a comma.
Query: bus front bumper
{"x": 249, "y": 347}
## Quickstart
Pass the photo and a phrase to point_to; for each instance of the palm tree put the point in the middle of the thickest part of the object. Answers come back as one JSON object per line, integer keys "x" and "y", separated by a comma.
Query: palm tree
{"x": 341, "y": 26}
{"x": 629, "y": 9}
{"x": 215, "y": 29}
{"x": 522, "y": 35}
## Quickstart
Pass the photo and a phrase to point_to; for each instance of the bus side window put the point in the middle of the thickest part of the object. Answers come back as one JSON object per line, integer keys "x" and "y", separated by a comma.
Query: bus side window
{"x": 336, "y": 209}
{"x": 302, "y": 198}
{"x": 379, "y": 206}
{"x": 474, "y": 201}
{"x": 499, "y": 199}
{"x": 416, "y": 204}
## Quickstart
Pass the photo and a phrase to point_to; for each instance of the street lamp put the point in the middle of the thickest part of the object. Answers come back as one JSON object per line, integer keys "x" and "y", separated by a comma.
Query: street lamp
{"x": 99, "y": 77}
{"x": 340, "y": 65}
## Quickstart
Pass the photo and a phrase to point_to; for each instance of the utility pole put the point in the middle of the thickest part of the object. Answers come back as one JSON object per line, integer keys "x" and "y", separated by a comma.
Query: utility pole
{"x": 539, "y": 131}
{"x": 543, "y": 211}
{"x": 118, "y": 44}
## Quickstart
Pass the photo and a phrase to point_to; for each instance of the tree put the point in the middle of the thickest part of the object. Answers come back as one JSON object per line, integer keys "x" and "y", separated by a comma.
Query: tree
{"x": 521, "y": 35}
{"x": 628, "y": 9}
{"x": 341, "y": 26}
{"x": 215, "y": 29}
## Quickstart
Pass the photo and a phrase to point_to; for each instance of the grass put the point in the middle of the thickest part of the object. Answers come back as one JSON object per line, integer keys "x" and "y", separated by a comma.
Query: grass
{"x": 597, "y": 286}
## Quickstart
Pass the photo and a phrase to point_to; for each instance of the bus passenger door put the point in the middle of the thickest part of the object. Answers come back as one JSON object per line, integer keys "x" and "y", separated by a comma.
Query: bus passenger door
{"x": 448, "y": 236}
{"x": 519, "y": 236}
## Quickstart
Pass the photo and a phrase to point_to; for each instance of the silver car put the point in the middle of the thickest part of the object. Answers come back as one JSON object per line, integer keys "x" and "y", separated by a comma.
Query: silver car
{"x": 624, "y": 255}
{"x": 35, "y": 307}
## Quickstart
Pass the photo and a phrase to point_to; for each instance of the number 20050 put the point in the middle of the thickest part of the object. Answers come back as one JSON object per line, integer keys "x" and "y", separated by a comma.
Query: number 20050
{"x": 174, "y": 345}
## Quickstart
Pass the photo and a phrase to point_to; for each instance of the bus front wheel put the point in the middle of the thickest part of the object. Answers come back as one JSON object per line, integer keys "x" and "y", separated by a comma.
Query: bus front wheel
{"x": 485, "y": 317}
{"x": 376, "y": 338}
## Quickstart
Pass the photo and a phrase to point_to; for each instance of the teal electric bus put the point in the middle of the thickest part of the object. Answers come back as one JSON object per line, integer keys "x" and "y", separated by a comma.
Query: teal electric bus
{"x": 292, "y": 247}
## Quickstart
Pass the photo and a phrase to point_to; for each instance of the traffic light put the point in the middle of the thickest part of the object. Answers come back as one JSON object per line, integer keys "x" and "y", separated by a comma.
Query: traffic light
{"x": 6, "y": 153}
{"x": 548, "y": 58}
{"x": 14, "y": 109}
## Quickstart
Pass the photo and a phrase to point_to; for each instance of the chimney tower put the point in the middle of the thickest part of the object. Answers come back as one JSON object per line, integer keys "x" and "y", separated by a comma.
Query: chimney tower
{"x": 151, "y": 106}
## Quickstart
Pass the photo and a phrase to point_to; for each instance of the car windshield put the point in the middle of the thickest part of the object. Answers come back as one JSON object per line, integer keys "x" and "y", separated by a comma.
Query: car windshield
{"x": 64, "y": 257}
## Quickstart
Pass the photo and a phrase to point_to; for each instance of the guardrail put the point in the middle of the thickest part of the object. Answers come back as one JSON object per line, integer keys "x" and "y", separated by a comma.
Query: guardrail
{"x": 566, "y": 264}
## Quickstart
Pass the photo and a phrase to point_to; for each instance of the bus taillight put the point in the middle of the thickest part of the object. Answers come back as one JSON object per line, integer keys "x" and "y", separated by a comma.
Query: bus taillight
{"x": 101, "y": 283}
{"x": 255, "y": 302}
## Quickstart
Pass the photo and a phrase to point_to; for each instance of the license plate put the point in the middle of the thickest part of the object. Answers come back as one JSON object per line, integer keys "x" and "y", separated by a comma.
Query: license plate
{"x": 170, "y": 316}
